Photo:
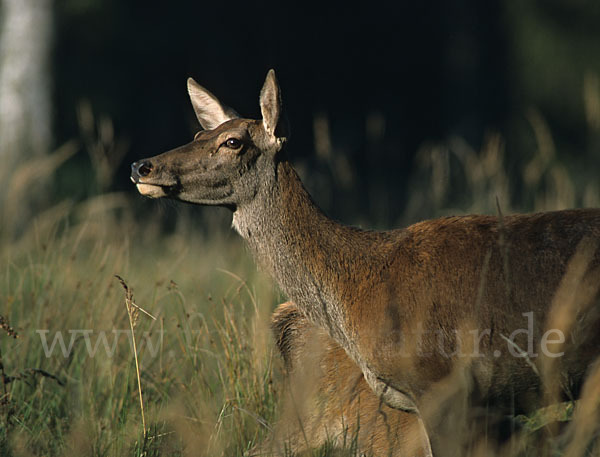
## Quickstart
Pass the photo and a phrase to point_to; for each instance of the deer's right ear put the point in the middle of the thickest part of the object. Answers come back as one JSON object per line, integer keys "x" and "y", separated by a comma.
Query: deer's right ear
{"x": 209, "y": 110}
{"x": 271, "y": 108}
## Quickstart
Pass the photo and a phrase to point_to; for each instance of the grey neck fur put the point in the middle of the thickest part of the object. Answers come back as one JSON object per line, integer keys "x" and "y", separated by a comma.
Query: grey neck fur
{"x": 300, "y": 247}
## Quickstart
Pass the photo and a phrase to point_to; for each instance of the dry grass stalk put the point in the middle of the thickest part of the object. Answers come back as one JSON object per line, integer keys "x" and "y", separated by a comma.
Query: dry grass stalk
{"x": 586, "y": 418}
{"x": 105, "y": 151}
{"x": 25, "y": 182}
{"x": 133, "y": 315}
{"x": 572, "y": 299}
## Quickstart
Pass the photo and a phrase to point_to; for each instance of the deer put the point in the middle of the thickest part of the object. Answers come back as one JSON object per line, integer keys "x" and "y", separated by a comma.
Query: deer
{"x": 474, "y": 307}
{"x": 328, "y": 402}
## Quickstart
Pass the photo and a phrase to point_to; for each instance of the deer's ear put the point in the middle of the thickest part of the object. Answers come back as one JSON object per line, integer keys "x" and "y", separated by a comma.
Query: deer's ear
{"x": 271, "y": 107}
{"x": 209, "y": 110}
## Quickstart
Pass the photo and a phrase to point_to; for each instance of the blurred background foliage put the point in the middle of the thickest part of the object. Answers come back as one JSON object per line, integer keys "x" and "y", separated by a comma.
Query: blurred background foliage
{"x": 388, "y": 102}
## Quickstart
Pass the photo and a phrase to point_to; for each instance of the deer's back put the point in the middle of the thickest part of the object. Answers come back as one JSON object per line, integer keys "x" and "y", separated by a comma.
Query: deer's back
{"x": 472, "y": 274}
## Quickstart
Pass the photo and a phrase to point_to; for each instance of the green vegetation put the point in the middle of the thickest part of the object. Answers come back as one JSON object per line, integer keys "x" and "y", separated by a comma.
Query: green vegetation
{"x": 207, "y": 364}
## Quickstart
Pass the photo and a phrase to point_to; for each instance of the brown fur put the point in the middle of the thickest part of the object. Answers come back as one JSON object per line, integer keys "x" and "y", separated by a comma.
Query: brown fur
{"x": 402, "y": 304}
{"x": 338, "y": 406}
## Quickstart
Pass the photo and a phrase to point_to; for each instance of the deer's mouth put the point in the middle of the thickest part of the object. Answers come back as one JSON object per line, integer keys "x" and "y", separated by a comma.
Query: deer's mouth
{"x": 154, "y": 190}
{"x": 151, "y": 190}
{"x": 158, "y": 190}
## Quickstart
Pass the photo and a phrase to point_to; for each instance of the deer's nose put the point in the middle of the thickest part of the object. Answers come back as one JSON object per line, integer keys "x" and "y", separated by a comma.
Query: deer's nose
{"x": 140, "y": 169}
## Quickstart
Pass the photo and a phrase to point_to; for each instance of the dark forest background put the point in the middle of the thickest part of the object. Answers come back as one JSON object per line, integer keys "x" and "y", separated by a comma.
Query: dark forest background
{"x": 378, "y": 80}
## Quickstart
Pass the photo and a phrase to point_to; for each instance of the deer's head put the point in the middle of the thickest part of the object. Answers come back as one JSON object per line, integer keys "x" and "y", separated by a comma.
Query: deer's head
{"x": 227, "y": 163}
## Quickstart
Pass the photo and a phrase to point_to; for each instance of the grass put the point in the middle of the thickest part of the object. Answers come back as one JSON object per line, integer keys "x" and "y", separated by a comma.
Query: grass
{"x": 206, "y": 362}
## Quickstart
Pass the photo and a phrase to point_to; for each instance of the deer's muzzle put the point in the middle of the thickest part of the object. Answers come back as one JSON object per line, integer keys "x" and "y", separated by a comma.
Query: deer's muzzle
{"x": 141, "y": 175}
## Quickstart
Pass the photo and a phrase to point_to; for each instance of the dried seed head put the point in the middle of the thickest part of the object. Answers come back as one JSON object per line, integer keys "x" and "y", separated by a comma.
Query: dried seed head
{"x": 7, "y": 328}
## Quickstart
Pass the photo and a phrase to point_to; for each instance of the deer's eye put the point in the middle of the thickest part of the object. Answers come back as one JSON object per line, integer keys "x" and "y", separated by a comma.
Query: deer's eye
{"x": 233, "y": 143}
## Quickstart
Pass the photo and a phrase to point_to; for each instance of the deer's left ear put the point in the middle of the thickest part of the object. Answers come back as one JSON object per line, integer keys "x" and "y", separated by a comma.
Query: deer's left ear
{"x": 209, "y": 110}
{"x": 271, "y": 108}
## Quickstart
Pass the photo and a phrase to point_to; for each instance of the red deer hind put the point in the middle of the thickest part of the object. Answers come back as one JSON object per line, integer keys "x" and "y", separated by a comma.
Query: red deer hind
{"x": 464, "y": 298}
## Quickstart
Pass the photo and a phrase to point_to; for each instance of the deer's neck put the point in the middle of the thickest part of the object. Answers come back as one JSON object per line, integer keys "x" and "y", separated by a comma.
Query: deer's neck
{"x": 314, "y": 260}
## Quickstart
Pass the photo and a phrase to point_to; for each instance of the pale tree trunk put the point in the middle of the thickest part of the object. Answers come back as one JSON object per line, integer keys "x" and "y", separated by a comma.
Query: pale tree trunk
{"x": 25, "y": 117}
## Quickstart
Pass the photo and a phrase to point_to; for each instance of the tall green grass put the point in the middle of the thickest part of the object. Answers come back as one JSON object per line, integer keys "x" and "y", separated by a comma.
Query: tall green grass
{"x": 207, "y": 364}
